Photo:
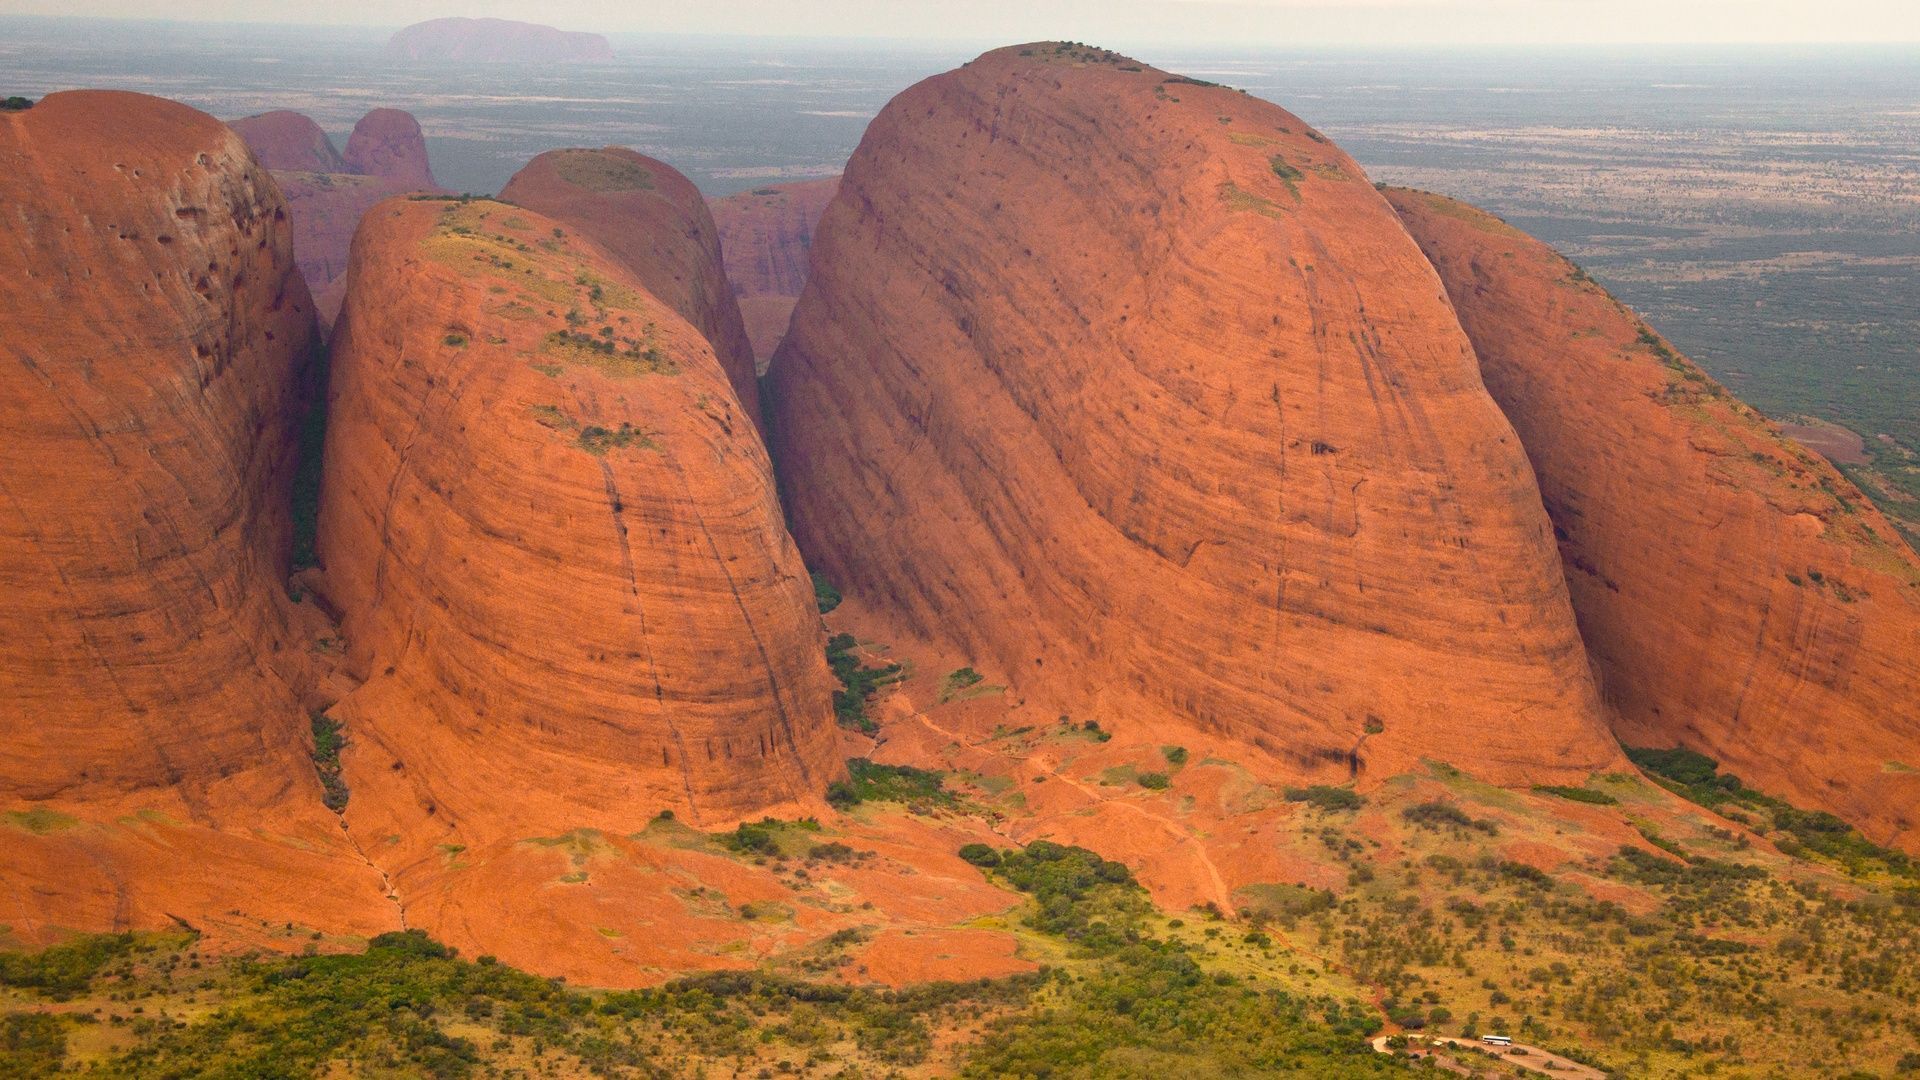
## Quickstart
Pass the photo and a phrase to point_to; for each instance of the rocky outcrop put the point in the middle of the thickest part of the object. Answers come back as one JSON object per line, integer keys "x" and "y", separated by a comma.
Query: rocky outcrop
{"x": 326, "y": 194}
{"x": 387, "y": 143}
{"x": 154, "y": 748}
{"x": 552, "y": 535}
{"x": 767, "y": 236}
{"x": 1134, "y": 390}
{"x": 655, "y": 222}
{"x": 283, "y": 140}
{"x": 495, "y": 41}
{"x": 1739, "y": 595}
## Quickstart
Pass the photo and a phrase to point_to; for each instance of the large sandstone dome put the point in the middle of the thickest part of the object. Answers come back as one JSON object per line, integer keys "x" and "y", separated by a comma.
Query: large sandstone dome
{"x": 655, "y": 222}
{"x": 495, "y": 41}
{"x": 388, "y": 143}
{"x": 155, "y": 335}
{"x": 1135, "y": 391}
{"x": 551, "y": 533}
{"x": 1739, "y": 595}
{"x": 287, "y": 141}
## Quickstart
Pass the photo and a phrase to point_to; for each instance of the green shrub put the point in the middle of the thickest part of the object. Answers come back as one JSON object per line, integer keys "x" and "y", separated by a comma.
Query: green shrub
{"x": 825, "y": 596}
{"x": 980, "y": 855}
{"x": 754, "y": 837}
{"x": 1439, "y": 814}
{"x": 1285, "y": 171}
{"x": 1689, "y": 768}
{"x": 1154, "y": 781}
{"x": 857, "y": 684}
{"x": 1324, "y": 797}
{"x": 868, "y": 782}
{"x": 16, "y": 104}
{"x": 328, "y": 739}
{"x": 964, "y": 679}
{"x": 1175, "y": 755}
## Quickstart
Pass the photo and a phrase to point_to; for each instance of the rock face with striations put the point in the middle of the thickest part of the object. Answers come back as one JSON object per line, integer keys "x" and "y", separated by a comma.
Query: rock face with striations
{"x": 1739, "y": 595}
{"x": 767, "y": 235}
{"x": 1135, "y": 390}
{"x": 652, "y": 219}
{"x": 556, "y": 550}
{"x": 154, "y": 749}
{"x": 326, "y": 193}
{"x": 495, "y": 41}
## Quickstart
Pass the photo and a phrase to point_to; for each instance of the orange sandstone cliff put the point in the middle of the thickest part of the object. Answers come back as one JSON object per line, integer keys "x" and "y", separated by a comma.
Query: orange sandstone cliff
{"x": 1739, "y": 595}
{"x": 655, "y": 222}
{"x": 556, "y": 551}
{"x": 1134, "y": 391}
{"x": 154, "y": 749}
{"x": 766, "y": 235}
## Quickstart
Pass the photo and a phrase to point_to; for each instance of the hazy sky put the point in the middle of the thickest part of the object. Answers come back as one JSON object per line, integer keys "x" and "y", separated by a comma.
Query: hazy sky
{"x": 1117, "y": 22}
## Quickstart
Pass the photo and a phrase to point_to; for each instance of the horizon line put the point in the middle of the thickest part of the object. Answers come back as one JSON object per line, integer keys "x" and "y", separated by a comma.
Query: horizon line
{"x": 932, "y": 39}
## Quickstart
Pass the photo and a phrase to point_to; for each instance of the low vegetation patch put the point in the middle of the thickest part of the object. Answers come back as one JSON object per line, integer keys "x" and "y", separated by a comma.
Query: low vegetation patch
{"x": 1323, "y": 797}
{"x": 858, "y": 683}
{"x": 964, "y": 683}
{"x": 616, "y": 356}
{"x": 329, "y": 737}
{"x": 1439, "y": 814}
{"x": 825, "y": 596}
{"x": 597, "y": 171}
{"x": 770, "y": 837}
{"x": 599, "y": 441}
{"x": 919, "y": 789}
{"x": 1288, "y": 175}
{"x": 1577, "y": 794}
{"x": 1697, "y": 777}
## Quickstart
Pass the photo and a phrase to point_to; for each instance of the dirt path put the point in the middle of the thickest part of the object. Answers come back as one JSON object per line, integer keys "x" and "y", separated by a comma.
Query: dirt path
{"x": 1519, "y": 1055}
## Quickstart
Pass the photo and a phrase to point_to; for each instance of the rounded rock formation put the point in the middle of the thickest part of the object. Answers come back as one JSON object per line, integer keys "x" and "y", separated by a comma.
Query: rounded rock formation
{"x": 388, "y": 143}
{"x": 656, "y": 223}
{"x": 1739, "y": 595}
{"x": 284, "y": 140}
{"x": 766, "y": 235}
{"x": 495, "y": 41}
{"x": 155, "y": 334}
{"x": 326, "y": 194}
{"x": 1134, "y": 389}
{"x": 553, "y": 538}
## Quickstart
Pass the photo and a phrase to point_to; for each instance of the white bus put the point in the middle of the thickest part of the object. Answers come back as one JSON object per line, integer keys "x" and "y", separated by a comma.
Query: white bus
{"x": 1497, "y": 1040}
